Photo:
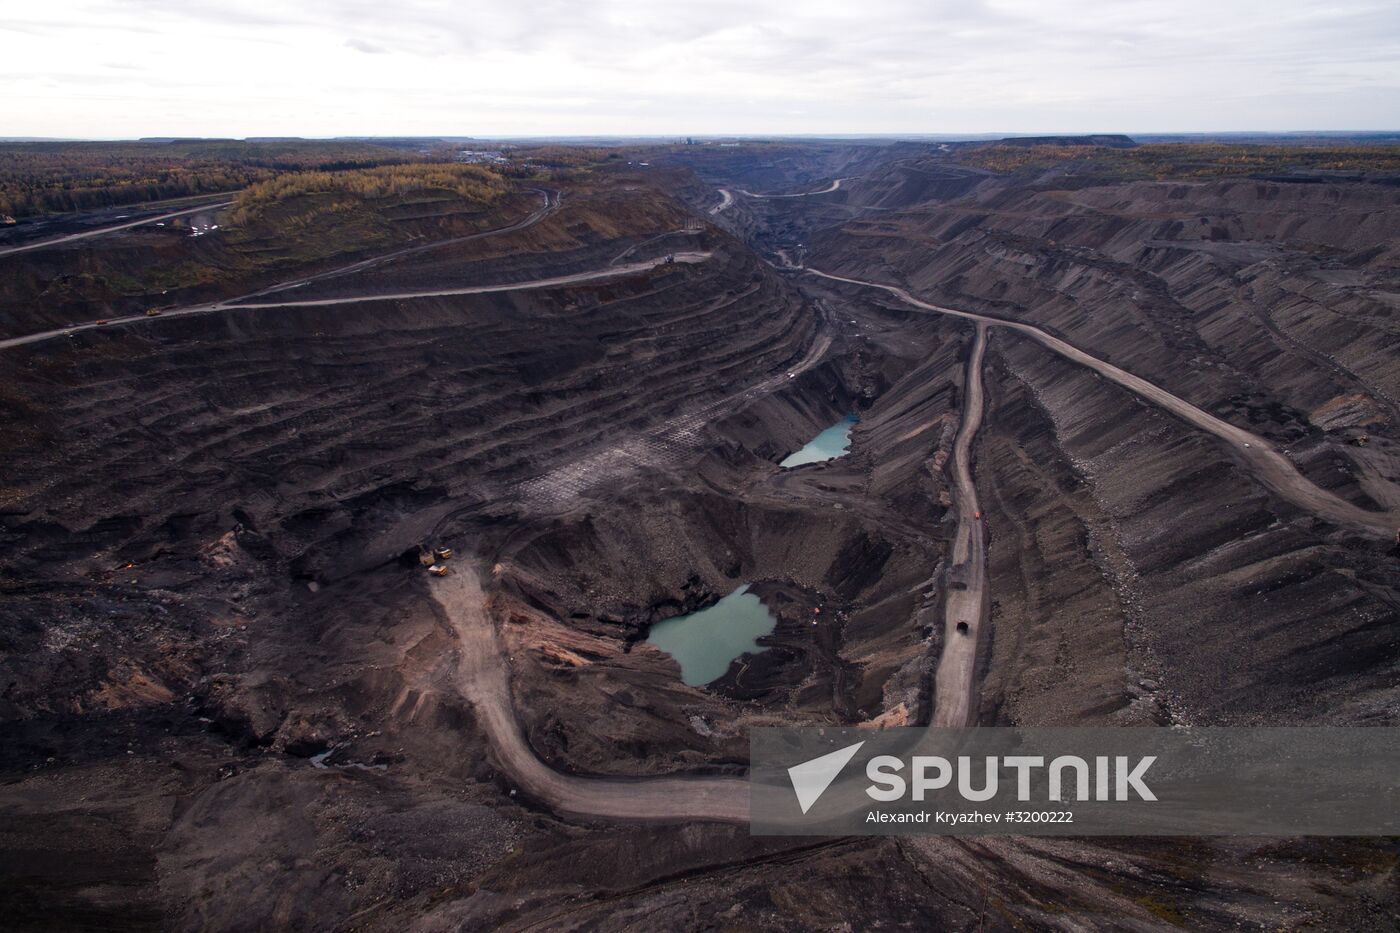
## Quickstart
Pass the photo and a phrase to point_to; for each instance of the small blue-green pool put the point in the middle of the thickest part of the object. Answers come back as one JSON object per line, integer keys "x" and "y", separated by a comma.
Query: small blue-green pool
{"x": 705, "y": 642}
{"x": 834, "y": 442}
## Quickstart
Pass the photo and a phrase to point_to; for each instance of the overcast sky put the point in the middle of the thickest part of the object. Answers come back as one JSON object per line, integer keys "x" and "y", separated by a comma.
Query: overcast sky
{"x": 105, "y": 68}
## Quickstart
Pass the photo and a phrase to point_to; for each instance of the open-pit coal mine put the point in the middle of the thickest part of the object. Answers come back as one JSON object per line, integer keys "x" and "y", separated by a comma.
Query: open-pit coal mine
{"x": 359, "y": 561}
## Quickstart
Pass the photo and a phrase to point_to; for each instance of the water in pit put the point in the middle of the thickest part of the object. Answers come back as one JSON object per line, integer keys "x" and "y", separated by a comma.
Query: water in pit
{"x": 834, "y": 442}
{"x": 705, "y": 642}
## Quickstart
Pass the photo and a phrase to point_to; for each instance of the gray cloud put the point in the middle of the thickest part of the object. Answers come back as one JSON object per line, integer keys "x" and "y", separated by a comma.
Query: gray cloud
{"x": 644, "y": 66}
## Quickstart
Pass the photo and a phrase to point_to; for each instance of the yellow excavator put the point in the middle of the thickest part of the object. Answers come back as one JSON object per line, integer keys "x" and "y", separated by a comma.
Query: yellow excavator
{"x": 433, "y": 559}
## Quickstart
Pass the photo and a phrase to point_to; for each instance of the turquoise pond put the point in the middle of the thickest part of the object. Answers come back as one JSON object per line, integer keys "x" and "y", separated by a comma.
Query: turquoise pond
{"x": 705, "y": 642}
{"x": 834, "y": 442}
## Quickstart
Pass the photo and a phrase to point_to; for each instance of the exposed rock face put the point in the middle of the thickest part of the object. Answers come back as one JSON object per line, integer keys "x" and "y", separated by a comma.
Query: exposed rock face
{"x": 222, "y": 665}
{"x": 1269, "y": 299}
{"x": 343, "y": 435}
{"x": 1261, "y": 302}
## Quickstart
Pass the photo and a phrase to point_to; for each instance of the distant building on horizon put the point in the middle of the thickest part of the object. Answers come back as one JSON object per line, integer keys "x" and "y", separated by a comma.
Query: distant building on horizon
{"x": 480, "y": 157}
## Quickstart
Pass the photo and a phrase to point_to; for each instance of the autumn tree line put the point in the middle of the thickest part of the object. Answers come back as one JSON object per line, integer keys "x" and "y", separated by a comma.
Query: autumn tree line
{"x": 44, "y": 178}
{"x": 473, "y": 183}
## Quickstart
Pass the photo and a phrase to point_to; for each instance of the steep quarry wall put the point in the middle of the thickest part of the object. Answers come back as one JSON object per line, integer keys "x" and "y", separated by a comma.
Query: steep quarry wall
{"x": 1143, "y": 574}
{"x": 1264, "y": 300}
{"x": 852, "y": 542}
{"x": 327, "y": 429}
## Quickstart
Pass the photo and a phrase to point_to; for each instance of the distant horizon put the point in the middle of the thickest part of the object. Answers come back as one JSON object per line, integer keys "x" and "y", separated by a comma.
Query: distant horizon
{"x": 531, "y": 137}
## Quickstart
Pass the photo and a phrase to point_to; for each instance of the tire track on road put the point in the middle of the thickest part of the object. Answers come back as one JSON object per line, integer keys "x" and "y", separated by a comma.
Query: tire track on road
{"x": 965, "y": 600}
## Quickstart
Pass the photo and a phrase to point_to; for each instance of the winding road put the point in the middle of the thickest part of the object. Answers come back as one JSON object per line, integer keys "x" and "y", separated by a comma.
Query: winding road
{"x": 85, "y": 234}
{"x": 726, "y": 198}
{"x": 1261, "y": 458}
{"x": 966, "y": 593}
{"x": 801, "y": 194}
{"x": 608, "y": 272}
{"x": 482, "y": 679}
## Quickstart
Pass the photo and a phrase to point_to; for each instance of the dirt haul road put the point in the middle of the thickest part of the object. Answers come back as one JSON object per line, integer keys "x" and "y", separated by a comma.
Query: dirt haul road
{"x": 224, "y": 306}
{"x": 605, "y": 273}
{"x": 481, "y": 669}
{"x": 1264, "y": 462}
{"x": 726, "y": 198}
{"x": 56, "y": 241}
{"x": 801, "y": 194}
{"x": 966, "y": 593}
{"x": 482, "y": 678}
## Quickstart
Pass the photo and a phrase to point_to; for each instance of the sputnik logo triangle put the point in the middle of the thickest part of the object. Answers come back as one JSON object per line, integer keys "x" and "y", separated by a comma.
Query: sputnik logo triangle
{"x": 811, "y": 778}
